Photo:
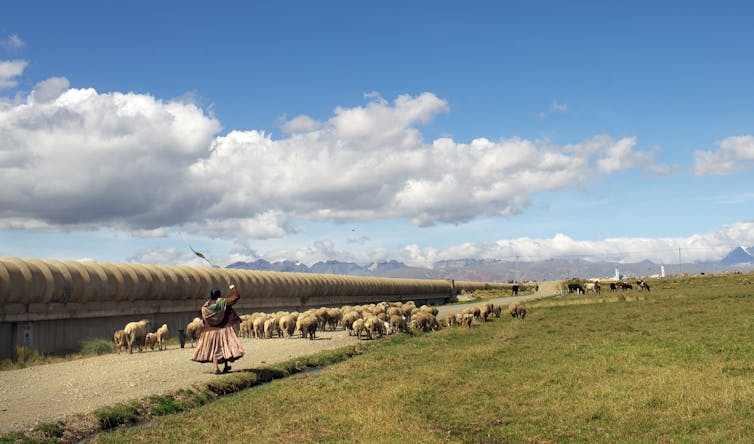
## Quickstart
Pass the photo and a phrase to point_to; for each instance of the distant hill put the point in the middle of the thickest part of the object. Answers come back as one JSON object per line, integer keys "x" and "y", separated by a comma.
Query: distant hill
{"x": 493, "y": 270}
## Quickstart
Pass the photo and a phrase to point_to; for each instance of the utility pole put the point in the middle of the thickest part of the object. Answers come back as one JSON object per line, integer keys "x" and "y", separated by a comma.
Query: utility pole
{"x": 515, "y": 271}
{"x": 679, "y": 261}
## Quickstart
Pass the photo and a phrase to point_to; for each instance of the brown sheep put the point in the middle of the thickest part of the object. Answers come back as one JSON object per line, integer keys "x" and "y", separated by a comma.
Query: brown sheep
{"x": 136, "y": 333}
{"x": 194, "y": 330}
{"x": 121, "y": 340}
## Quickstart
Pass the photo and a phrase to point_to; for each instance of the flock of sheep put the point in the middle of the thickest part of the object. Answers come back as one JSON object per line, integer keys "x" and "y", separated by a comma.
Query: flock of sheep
{"x": 136, "y": 334}
{"x": 363, "y": 321}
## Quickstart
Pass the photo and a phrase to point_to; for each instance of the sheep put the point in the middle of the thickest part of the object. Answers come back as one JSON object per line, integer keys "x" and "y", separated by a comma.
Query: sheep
{"x": 334, "y": 316}
{"x": 194, "y": 330}
{"x": 428, "y": 309}
{"x": 497, "y": 310}
{"x": 270, "y": 328}
{"x": 358, "y": 327}
{"x": 373, "y": 327}
{"x": 136, "y": 333}
{"x": 451, "y": 320}
{"x": 244, "y": 330}
{"x": 258, "y": 326}
{"x": 517, "y": 311}
{"x": 424, "y": 321}
{"x": 287, "y": 325}
{"x": 120, "y": 339}
{"x": 150, "y": 340}
{"x": 162, "y": 337}
{"x": 348, "y": 319}
{"x": 465, "y": 319}
{"x": 308, "y": 326}
{"x": 397, "y": 323}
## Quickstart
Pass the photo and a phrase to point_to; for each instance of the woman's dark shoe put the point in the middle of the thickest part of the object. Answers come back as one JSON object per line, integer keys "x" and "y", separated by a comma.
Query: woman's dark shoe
{"x": 226, "y": 369}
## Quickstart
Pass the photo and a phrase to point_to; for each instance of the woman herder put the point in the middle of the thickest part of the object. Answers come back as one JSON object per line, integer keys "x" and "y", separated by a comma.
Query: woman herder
{"x": 219, "y": 343}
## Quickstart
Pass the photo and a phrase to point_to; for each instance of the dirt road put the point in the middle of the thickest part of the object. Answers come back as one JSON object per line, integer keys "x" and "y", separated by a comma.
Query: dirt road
{"x": 54, "y": 392}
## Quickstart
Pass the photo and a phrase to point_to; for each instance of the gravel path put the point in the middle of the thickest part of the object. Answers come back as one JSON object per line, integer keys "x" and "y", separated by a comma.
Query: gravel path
{"x": 53, "y": 392}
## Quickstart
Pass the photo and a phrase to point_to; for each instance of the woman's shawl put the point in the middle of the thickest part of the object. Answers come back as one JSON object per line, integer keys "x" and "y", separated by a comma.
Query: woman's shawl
{"x": 214, "y": 313}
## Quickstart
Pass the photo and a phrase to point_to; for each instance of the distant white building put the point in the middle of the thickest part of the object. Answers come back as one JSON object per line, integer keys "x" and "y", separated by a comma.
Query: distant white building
{"x": 662, "y": 270}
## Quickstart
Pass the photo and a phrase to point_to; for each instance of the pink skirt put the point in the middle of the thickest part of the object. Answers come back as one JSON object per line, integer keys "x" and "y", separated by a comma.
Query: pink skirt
{"x": 222, "y": 344}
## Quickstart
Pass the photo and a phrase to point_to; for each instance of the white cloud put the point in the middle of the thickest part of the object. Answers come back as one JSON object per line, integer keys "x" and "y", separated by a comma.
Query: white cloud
{"x": 621, "y": 156}
{"x": 12, "y": 42}
{"x": 301, "y": 124}
{"x": 558, "y": 107}
{"x": 696, "y": 248}
{"x": 735, "y": 154}
{"x": 130, "y": 161}
{"x": 50, "y": 89}
{"x": 9, "y": 70}
{"x": 90, "y": 159}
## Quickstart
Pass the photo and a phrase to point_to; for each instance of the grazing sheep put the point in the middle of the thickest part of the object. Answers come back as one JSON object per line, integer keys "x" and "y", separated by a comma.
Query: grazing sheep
{"x": 162, "y": 337}
{"x": 258, "y": 327}
{"x": 287, "y": 325}
{"x": 334, "y": 315}
{"x": 150, "y": 340}
{"x": 451, "y": 320}
{"x": 358, "y": 327}
{"x": 517, "y": 311}
{"x": 136, "y": 333}
{"x": 397, "y": 323}
{"x": 348, "y": 319}
{"x": 121, "y": 340}
{"x": 308, "y": 326}
{"x": 194, "y": 330}
{"x": 374, "y": 327}
{"x": 270, "y": 328}
{"x": 497, "y": 311}
{"x": 244, "y": 330}
{"x": 465, "y": 319}
{"x": 424, "y": 321}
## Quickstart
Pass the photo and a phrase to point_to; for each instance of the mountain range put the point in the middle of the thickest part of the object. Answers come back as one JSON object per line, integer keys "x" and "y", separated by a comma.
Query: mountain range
{"x": 493, "y": 270}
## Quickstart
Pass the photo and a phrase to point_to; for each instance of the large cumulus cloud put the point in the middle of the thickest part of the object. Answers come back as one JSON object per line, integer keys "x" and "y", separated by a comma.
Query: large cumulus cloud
{"x": 74, "y": 158}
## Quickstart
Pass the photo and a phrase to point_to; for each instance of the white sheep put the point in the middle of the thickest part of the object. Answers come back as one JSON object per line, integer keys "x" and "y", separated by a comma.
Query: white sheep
{"x": 150, "y": 340}
{"x": 136, "y": 333}
{"x": 194, "y": 330}
{"x": 162, "y": 337}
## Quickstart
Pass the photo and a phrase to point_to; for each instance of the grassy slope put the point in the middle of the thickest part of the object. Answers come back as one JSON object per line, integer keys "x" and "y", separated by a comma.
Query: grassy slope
{"x": 676, "y": 367}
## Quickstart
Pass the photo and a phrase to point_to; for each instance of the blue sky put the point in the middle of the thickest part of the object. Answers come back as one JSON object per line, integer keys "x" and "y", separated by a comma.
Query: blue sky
{"x": 416, "y": 131}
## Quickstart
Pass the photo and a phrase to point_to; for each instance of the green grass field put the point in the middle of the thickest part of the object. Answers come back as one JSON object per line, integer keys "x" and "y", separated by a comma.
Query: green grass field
{"x": 676, "y": 365}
